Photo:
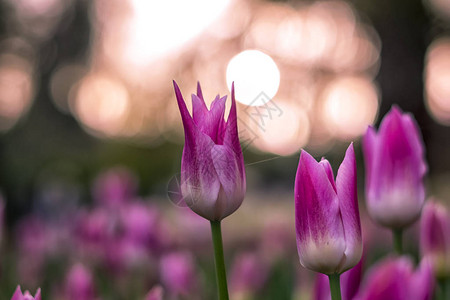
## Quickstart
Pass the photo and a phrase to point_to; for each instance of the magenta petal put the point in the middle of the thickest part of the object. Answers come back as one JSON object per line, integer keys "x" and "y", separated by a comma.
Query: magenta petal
{"x": 210, "y": 122}
{"x": 199, "y": 109}
{"x": 231, "y": 137}
{"x": 329, "y": 171}
{"x": 318, "y": 222}
{"x": 199, "y": 182}
{"x": 188, "y": 123}
{"x": 348, "y": 202}
{"x": 17, "y": 294}
{"x": 422, "y": 282}
{"x": 232, "y": 183}
{"x": 199, "y": 92}
{"x": 38, "y": 295}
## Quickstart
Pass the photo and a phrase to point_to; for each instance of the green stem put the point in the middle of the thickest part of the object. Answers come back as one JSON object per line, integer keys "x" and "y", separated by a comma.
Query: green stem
{"x": 441, "y": 293}
{"x": 335, "y": 286}
{"x": 398, "y": 236}
{"x": 221, "y": 274}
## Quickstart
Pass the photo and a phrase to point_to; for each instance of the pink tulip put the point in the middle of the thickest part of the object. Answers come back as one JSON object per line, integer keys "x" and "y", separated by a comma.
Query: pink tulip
{"x": 248, "y": 274}
{"x": 395, "y": 279}
{"x": 395, "y": 168}
{"x": 435, "y": 237}
{"x": 212, "y": 167}
{"x": 27, "y": 296}
{"x": 178, "y": 273}
{"x": 327, "y": 218}
{"x": 79, "y": 284}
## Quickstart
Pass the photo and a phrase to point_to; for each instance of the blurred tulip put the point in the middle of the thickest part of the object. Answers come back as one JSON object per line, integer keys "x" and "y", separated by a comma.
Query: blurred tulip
{"x": 395, "y": 168}
{"x": 27, "y": 296}
{"x": 327, "y": 218}
{"x": 178, "y": 273}
{"x": 115, "y": 187}
{"x": 79, "y": 284}
{"x": 248, "y": 274}
{"x": 395, "y": 279}
{"x": 435, "y": 237}
{"x": 155, "y": 293}
{"x": 212, "y": 167}
{"x": 350, "y": 282}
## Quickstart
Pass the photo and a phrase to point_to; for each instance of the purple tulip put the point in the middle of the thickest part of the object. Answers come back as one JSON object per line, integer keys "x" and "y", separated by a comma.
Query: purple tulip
{"x": 435, "y": 237}
{"x": 27, "y": 296}
{"x": 327, "y": 218}
{"x": 178, "y": 273}
{"x": 395, "y": 168}
{"x": 212, "y": 167}
{"x": 115, "y": 187}
{"x": 79, "y": 284}
{"x": 248, "y": 274}
{"x": 350, "y": 282}
{"x": 395, "y": 279}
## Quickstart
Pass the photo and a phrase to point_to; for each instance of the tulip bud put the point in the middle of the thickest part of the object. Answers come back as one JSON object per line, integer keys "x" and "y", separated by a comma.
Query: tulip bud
{"x": 212, "y": 166}
{"x": 327, "y": 217}
{"x": 395, "y": 279}
{"x": 435, "y": 237}
{"x": 27, "y": 296}
{"x": 395, "y": 167}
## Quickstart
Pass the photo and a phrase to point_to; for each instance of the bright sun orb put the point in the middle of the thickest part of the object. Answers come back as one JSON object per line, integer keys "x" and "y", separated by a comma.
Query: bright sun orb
{"x": 253, "y": 73}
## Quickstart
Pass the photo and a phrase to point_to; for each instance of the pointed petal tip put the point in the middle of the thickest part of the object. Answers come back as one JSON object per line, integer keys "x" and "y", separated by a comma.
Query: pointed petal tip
{"x": 199, "y": 91}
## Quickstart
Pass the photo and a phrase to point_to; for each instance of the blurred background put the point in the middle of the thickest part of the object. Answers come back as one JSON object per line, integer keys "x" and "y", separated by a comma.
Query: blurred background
{"x": 88, "y": 119}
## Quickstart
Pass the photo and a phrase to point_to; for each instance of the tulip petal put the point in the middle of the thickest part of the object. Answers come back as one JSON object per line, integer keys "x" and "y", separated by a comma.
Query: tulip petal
{"x": 199, "y": 92}
{"x": 318, "y": 222}
{"x": 422, "y": 282}
{"x": 38, "y": 295}
{"x": 329, "y": 171}
{"x": 233, "y": 187}
{"x": 199, "y": 183}
{"x": 199, "y": 109}
{"x": 188, "y": 123}
{"x": 17, "y": 294}
{"x": 348, "y": 202}
{"x": 231, "y": 138}
{"x": 210, "y": 122}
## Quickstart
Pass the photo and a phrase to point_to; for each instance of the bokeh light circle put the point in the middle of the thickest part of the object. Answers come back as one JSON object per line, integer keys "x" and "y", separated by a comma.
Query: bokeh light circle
{"x": 253, "y": 73}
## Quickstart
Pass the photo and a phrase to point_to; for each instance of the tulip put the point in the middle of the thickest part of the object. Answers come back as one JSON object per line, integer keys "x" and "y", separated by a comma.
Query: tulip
{"x": 178, "y": 273}
{"x": 212, "y": 166}
{"x": 27, "y": 296}
{"x": 79, "y": 284}
{"x": 248, "y": 275}
{"x": 435, "y": 237}
{"x": 327, "y": 217}
{"x": 115, "y": 187}
{"x": 395, "y": 168}
{"x": 395, "y": 279}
